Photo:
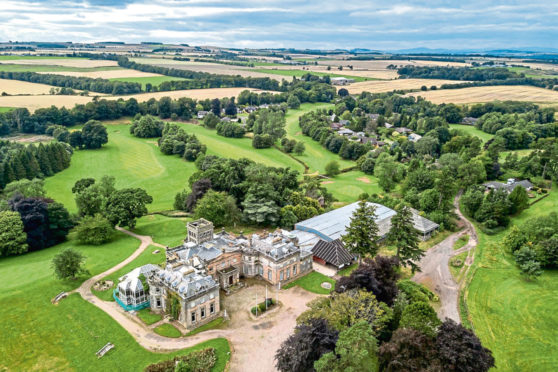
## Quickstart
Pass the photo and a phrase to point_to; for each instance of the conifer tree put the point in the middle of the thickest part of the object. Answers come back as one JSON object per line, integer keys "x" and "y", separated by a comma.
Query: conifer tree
{"x": 43, "y": 160}
{"x": 405, "y": 237}
{"x": 362, "y": 232}
{"x": 19, "y": 168}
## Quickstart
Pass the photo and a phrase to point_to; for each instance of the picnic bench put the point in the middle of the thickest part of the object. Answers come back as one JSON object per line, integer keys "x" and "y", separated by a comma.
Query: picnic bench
{"x": 105, "y": 349}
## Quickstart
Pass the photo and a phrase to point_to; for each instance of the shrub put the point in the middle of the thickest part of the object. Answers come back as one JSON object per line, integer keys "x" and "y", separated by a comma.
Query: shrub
{"x": 198, "y": 361}
{"x": 94, "y": 230}
{"x": 261, "y": 307}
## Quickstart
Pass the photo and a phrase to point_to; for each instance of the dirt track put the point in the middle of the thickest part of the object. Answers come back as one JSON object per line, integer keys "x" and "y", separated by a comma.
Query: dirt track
{"x": 435, "y": 273}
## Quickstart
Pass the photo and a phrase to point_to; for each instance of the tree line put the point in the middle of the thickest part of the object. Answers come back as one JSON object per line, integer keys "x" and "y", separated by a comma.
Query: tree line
{"x": 457, "y": 73}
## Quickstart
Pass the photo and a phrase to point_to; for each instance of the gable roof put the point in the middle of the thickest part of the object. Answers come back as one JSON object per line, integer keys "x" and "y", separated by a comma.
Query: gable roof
{"x": 333, "y": 252}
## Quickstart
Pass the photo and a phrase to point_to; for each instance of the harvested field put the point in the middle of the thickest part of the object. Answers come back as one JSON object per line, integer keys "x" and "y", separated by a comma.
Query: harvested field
{"x": 105, "y": 74}
{"x": 33, "y": 103}
{"x": 15, "y": 87}
{"x": 382, "y": 64}
{"x": 67, "y": 62}
{"x": 488, "y": 94}
{"x": 378, "y": 86}
{"x": 191, "y": 93}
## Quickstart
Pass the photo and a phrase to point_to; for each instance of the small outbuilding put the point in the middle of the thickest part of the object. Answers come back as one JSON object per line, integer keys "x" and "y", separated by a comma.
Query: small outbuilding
{"x": 332, "y": 253}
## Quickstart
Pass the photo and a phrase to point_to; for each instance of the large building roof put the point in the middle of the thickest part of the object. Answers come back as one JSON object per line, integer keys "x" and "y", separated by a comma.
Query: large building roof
{"x": 333, "y": 252}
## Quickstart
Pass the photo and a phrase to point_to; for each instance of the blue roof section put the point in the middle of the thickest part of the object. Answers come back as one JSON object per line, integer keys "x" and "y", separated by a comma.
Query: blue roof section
{"x": 332, "y": 225}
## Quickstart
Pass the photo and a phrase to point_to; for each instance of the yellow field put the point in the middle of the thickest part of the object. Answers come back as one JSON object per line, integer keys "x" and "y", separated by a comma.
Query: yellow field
{"x": 33, "y": 103}
{"x": 382, "y": 64}
{"x": 487, "y": 94}
{"x": 14, "y": 87}
{"x": 108, "y": 74}
{"x": 389, "y": 85}
{"x": 68, "y": 62}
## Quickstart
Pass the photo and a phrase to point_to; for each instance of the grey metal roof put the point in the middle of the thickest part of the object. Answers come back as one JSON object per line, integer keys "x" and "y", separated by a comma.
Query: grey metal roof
{"x": 526, "y": 184}
{"x": 333, "y": 252}
{"x": 332, "y": 225}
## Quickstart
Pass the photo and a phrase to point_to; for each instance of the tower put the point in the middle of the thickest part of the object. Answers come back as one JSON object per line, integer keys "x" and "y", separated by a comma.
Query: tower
{"x": 200, "y": 231}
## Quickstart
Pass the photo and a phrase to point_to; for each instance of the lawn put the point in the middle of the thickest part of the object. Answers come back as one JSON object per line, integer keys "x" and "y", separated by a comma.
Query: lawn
{"x": 471, "y": 130}
{"x": 169, "y": 231}
{"x": 146, "y": 257}
{"x": 167, "y": 330}
{"x": 300, "y": 73}
{"x": 148, "y": 317}
{"x": 347, "y": 270}
{"x": 347, "y": 187}
{"x": 153, "y": 80}
{"x": 37, "y": 335}
{"x": 312, "y": 283}
{"x": 315, "y": 156}
{"x": 515, "y": 318}
{"x": 215, "y": 323}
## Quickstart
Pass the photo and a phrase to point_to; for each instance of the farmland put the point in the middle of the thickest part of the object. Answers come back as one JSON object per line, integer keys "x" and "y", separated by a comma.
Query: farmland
{"x": 40, "y": 336}
{"x": 398, "y": 84}
{"x": 490, "y": 93}
{"x": 53, "y": 68}
{"x": 299, "y": 73}
{"x": 514, "y": 317}
{"x": 16, "y": 87}
{"x": 143, "y": 80}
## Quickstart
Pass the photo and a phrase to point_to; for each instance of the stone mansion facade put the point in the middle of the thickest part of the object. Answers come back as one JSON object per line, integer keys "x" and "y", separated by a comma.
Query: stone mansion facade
{"x": 188, "y": 286}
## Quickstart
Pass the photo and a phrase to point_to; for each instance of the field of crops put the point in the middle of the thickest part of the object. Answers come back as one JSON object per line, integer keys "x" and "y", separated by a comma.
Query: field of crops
{"x": 488, "y": 94}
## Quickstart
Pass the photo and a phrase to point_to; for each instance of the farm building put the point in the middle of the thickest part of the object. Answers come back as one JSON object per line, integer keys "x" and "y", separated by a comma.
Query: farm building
{"x": 341, "y": 81}
{"x": 511, "y": 184}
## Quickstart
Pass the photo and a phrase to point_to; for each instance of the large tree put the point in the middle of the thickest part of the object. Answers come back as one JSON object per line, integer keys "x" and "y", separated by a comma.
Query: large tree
{"x": 309, "y": 342}
{"x": 519, "y": 200}
{"x": 93, "y": 135}
{"x": 420, "y": 316}
{"x": 124, "y": 206}
{"x": 68, "y": 264}
{"x": 34, "y": 215}
{"x": 405, "y": 237}
{"x": 13, "y": 239}
{"x": 147, "y": 127}
{"x": 94, "y": 230}
{"x": 362, "y": 233}
{"x": 218, "y": 207}
{"x": 461, "y": 350}
{"x": 409, "y": 351}
{"x": 355, "y": 351}
{"x": 59, "y": 223}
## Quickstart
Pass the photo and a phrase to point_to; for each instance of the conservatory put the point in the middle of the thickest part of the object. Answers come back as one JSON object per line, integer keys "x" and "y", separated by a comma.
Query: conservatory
{"x": 132, "y": 292}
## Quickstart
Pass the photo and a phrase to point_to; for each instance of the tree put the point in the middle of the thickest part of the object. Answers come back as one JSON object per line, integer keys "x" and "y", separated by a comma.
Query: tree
{"x": 332, "y": 168}
{"x": 92, "y": 200}
{"x": 355, "y": 351}
{"x": 362, "y": 233}
{"x": 147, "y": 127}
{"x": 13, "y": 239}
{"x": 199, "y": 188}
{"x": 420, "y": 316}
{"x": 82, "y": 184}
{"x": 59, "y": 223}
{"x": 293, "y": 102}
{"x": 34, "y": 215}
{"x": 388, "y": 171}
{"x": 68, "y": 264}
{"x": 409, "y": 351}
{"x": 211, "y": 120}
{"x": 216, "y": 107}
{"x": 75, "y": 139}
{"x": 217, "y": 207}
{"x": 124, "y": 206}
{"x": 309, "y": 342}
{"x": 230, "y": 108}
{"x": 26, "y": 188}
{"x": 93, "y": 135}
{"x": 460, "y": 349}
{"x": 299, "y": 148}
{"x": 526, "y": 258}
{"x": 378, "y": 275}
{"x": 405, "y": 238}
{"x": 94, "y": 230}
{"x": 515, "y": 239}
{"x": 519, "y": 200}
{"x": 343, "y": 92}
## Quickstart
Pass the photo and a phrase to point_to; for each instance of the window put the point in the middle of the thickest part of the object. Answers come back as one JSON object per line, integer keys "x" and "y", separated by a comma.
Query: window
{"x": 211, "y": 308}
{"x": 203, "y": 312}
{"x": 281, "y": 275}
{"x": 193, "y": 316}
{"x": 294, "y": 270}
{"x": 288, "y": 273}
{"x": 268, "y": 274}
{"x": 234, "y": 260}
{"x": 158, "y": 302}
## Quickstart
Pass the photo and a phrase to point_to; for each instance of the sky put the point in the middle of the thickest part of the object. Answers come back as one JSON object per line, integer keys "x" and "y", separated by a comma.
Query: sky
{"x": 314, "y": 24}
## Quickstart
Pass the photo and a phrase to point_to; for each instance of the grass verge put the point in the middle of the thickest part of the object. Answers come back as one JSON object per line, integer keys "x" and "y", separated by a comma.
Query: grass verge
{"x": 167, "y": 330}
{"x": 312, "y": 282}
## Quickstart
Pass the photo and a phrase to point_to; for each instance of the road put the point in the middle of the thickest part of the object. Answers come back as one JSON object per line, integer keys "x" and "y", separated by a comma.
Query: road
{"x": 435, "y": 273}
{"x": 254, "y": 342}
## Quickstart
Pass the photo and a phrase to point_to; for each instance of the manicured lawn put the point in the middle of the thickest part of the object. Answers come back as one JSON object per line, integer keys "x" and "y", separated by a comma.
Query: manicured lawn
{"x": 169, "y": 231}
{"x": 299, "y": 73}
{"x": 215, "y": 323}
{"x": 148, "y": 317}
{"x": 153, "y": 80}
{"x": 347, "y": 187}
{"x": 147, "y": 257}
{"x": 459, "y": 243}
{"x": 515, "y": 318}
{"x": 471, "y": 130}
{"x": 132, "y": 161}
{"x": 347, "y": 270}
{"x": 37, "y": 335}
{"x": 167, "y": 330}
{"x": 312, "y": 283}
{"x": 240, "y": 148}
{"x": 315, "y": 156}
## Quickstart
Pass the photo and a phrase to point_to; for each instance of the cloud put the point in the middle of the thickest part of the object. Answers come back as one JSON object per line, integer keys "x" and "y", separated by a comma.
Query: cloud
{"x": 287, "y": 23}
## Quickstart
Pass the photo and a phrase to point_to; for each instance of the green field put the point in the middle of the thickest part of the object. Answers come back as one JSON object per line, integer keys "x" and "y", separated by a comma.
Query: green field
{"x": 515, "y": 318}
{"x": 471, "y": 130}
{"x": 315, "y": 156}
{"x": 312, "y": 282}
{"x": 153, "y": 80}
{"x": 53, "y": 68}
{"x": 39, "y": 336}
{"x": 164, "y": 230}
{"x": 346, "y": 187}
{"x": 300, "y": 73}
{"x": 14, "y": 57}
{"x": 6, "y": 109}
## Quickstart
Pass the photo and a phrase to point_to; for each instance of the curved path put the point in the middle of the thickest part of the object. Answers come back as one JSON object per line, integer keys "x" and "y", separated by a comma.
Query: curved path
{"x": 254, "y": 342}
{"x": 435, "y": 273}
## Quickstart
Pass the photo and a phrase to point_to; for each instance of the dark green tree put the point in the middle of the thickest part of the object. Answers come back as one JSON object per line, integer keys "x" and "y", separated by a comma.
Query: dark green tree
{"x": 362, "y": 233}
{"x": 68, "y": 264}
{"x": 124, "y": 206}
{"x": 13, "y": 240}
{"x": 405, "y": 237}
